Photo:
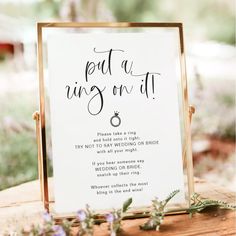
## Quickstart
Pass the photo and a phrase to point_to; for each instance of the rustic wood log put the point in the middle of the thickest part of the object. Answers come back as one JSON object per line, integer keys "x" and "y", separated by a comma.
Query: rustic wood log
{"x": 21, "y": 206}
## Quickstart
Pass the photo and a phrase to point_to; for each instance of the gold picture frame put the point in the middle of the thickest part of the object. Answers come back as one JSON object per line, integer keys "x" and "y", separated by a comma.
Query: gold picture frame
{"x": 40, "y": 116}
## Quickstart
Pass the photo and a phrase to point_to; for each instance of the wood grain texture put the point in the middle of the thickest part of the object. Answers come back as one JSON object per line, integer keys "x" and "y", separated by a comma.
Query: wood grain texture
{"x": 21, "y": 206}
{"x": 214, "y": 223}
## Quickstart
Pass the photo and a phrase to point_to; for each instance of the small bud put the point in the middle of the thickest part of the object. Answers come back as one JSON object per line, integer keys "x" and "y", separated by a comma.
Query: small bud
{"x": 81, "y": 215}
{"x": 47, "y": 217}
{"x": 58, "y": 230}
{"x": 110, "y": 218}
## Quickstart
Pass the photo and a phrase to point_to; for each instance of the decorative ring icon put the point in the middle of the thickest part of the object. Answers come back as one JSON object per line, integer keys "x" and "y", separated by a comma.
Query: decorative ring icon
{"x": 115, "y": 120}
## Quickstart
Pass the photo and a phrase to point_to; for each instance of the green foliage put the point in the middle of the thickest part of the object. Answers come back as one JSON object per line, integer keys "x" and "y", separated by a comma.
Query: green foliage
{"x": 18, "y": 150}
{"x": 226, "y": 129}
{"x": 49, "y": 228}
{"x": 209, "y": 19}
{"x": 215, "y": 103}
{"x": 170, "y": 196}
{"x": 198, "y": 205}
{"x": 157, "y": 213}
{"x": 126, "y": 204}
{"x": 47, "y": 8}
{"x": 204, "y": 19}
{"x": 18, "y": 159}
{"x": 132, "y": 10}
{"x": 116, "y": 216}
{"x": 86, "y": 221}
{"x": 87, "y": 218}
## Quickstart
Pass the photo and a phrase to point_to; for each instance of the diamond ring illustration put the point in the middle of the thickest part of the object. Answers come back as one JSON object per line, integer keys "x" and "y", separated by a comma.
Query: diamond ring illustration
{"x": 115, "y": 120}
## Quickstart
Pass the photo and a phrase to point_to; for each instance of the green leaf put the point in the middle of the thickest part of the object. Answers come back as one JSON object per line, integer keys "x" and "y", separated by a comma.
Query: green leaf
{"x": 126, "y": 204}
{"x": 199, "y": 204}
{"x": 171, "y": 195}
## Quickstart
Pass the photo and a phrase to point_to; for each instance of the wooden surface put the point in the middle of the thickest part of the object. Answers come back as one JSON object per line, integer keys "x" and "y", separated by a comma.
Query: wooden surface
{"x": 20, "y": 206}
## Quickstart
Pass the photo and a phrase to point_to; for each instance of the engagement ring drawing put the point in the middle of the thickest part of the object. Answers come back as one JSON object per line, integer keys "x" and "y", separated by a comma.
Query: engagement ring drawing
{"x": 115, "y": 120}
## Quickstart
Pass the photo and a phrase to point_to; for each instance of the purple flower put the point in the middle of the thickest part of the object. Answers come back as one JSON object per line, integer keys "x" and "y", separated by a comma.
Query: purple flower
{"x": 58, "y": 230}
{"x": 47, "y": 217}
{"x": 81, "y": 215}
{"x": 110, "y": 218}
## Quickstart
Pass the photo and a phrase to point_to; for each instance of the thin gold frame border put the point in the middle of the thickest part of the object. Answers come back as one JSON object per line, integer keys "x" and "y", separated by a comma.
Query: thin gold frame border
{"x": 187, "y": 110}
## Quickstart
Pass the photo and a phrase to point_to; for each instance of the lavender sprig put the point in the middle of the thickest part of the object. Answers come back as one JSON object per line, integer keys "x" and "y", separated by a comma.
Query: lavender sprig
{"x": 87, "y": 218}
{"x": 86, "y": 221}
{"x": 115, "y": 217}
{"x": 49, "y": 227}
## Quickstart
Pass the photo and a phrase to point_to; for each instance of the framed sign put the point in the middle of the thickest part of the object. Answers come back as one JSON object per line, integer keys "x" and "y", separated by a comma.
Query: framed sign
{"x": 119, "y": 113}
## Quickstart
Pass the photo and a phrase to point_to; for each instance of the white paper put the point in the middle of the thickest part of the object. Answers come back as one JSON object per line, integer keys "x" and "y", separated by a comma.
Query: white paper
{"x": 102, "y": 158}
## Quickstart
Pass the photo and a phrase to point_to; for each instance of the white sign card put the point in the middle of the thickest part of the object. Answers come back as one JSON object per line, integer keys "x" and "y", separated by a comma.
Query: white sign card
{"x": 115, "y": 118}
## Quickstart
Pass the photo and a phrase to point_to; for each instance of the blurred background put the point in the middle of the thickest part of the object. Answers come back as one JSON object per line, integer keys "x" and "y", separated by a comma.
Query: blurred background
{"x": 209, "y": 27}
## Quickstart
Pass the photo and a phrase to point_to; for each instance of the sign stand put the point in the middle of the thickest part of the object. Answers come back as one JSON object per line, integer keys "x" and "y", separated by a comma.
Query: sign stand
{"x": 42, "y": 171}
{"x": 39, "y": 116}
